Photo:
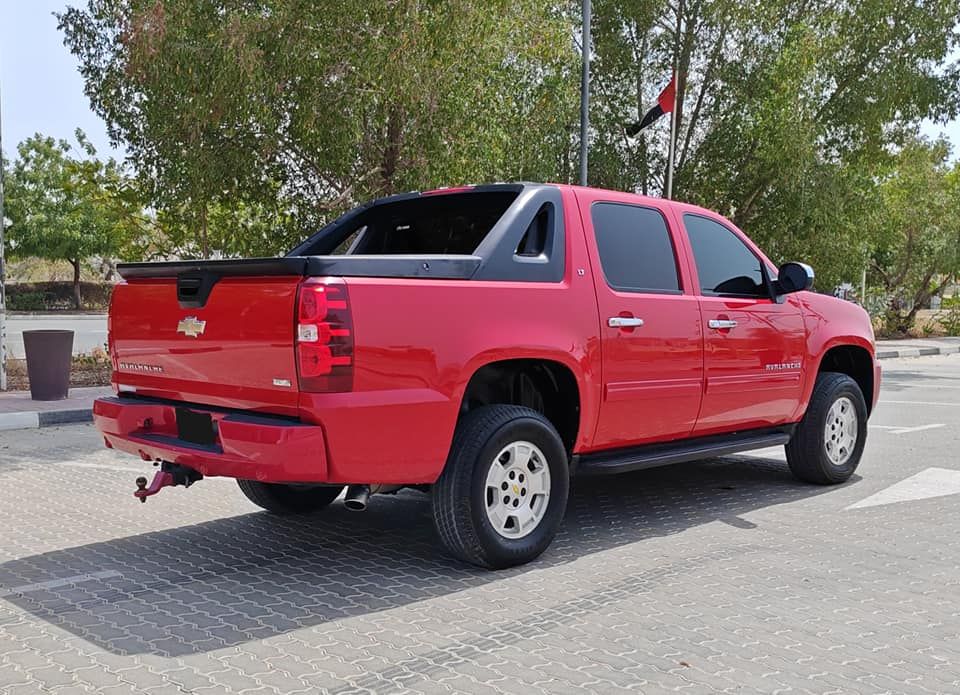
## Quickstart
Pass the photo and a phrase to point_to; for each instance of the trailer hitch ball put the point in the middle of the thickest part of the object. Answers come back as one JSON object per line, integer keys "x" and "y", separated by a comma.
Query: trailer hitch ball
{"x": 161, "y": 479}
{"x": 170, "y": 474}
{"x": 141, "y": 488}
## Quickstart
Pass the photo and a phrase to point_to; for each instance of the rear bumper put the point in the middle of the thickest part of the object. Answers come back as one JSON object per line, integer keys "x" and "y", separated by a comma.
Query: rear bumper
{"x": 253, "y": 447}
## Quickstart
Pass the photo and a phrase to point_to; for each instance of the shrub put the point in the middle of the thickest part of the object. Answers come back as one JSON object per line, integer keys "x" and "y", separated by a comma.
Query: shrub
{"x": 26, "y": 301}
{"x": 56, "y": 296}
{"x": 949, "y": 320}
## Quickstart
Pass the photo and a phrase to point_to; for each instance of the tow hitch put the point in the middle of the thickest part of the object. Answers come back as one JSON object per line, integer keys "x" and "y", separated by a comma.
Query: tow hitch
{"x": 170, "y": 474}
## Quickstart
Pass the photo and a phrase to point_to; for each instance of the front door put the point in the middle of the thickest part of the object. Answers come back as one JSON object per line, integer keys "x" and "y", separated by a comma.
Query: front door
{"x": 650, "y": 332}
{"x": 754, "y": 346}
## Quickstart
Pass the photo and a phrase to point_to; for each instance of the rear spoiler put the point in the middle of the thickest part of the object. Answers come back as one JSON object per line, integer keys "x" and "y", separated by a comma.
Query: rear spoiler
{"x": 441, "y": 267}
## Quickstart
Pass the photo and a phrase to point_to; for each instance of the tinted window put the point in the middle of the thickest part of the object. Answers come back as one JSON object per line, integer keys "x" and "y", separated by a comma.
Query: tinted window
{"x": 451, "y": 223}
{"x": 724, "y": 263}
{"x": 635, "y": 248}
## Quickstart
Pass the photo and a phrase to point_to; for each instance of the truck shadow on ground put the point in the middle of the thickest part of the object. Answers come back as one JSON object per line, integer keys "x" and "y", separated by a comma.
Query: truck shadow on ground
{"x": 227, "y": 582}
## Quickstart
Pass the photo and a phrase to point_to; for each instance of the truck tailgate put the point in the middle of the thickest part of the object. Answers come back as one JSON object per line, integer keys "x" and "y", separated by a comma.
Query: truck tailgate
{"x": 236, "y": 350}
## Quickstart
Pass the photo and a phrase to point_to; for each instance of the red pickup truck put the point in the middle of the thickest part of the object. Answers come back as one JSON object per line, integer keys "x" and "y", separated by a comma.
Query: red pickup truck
{"x": 484, "y": 344}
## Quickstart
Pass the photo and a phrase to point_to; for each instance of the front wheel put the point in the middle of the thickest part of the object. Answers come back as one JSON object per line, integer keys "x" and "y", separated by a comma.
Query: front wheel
{"x": 281, "y": 498}
{"x": 828, "y": 443}
{"x": 503, "y": 492}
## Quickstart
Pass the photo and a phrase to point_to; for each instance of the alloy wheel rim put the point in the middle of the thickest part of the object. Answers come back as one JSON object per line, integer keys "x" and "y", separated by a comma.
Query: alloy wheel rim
{"x": 840, "y": 431}
{"x": 517, "y": 490}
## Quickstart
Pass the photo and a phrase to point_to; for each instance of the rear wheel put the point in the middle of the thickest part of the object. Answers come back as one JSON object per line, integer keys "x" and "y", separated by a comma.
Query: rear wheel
{"x": 503, "y": 492}
{"x": 281, "y": 498}
{"x": 828, "y": 443}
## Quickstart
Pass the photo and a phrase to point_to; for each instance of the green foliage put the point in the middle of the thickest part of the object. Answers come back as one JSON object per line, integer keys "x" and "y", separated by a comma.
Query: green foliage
{"x": 26, "y": 301}
{"x": 272, "y": 117}
{"x": 64, "y": 206}
{"x": 786, "y": 109}
{"x": 251, "y": 124}
{"x": 949, "y": 320}
{"x": 915, "y": 230}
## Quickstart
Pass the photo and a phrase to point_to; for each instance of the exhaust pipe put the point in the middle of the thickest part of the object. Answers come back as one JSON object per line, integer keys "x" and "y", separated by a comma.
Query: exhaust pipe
{"x": 357, "y": 497}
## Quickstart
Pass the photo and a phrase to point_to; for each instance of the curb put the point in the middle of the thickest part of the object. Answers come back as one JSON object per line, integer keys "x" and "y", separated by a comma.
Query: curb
{"x": 30, "y": 420}
{"x": 917, "y": 352}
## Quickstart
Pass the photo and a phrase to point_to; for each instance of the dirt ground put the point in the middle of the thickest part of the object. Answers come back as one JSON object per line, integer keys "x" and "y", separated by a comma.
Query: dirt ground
{"x": 86, "y": 370}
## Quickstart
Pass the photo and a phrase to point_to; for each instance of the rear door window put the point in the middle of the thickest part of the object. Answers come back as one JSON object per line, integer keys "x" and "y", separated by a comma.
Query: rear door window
{"x": 636, "y": 252}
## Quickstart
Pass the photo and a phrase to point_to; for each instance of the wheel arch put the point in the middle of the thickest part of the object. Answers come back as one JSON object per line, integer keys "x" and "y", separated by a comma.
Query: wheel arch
{"x": 854, "y": 360}
{"x": 549, "y": 386}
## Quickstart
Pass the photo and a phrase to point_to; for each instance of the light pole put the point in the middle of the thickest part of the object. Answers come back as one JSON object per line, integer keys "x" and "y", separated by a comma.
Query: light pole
{"x": 585, "y": 94}
{"x": 3, "y": 277}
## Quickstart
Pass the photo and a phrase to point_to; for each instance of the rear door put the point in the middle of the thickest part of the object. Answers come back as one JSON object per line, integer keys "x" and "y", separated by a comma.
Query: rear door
{"x": 754, "y": 346}
{"x": 650, "y": 332}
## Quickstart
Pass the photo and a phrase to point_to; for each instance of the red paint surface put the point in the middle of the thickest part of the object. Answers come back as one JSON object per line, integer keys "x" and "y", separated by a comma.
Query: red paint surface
{"x": 418, "y": 342}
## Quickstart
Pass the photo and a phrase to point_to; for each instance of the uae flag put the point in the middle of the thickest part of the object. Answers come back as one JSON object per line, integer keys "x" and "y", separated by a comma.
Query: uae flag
{"x": 664, "y": 105}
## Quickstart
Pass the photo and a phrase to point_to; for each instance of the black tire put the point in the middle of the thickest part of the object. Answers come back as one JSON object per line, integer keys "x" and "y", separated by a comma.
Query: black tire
{"x": 807, "y": 451}
{"x": 460, "y": 495}
{"x": 289, "y": 499}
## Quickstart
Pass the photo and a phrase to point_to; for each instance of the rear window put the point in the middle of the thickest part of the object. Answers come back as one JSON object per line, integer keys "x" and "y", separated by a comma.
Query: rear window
{"x": 453, "y": 223}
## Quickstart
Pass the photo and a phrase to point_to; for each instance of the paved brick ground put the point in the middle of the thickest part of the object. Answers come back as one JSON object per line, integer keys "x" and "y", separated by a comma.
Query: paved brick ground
{"x": 724, "y": 576}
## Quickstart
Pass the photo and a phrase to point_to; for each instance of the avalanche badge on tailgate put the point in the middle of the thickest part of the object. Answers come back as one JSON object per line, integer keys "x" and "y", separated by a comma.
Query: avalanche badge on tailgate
{"x": 191, "y": 326}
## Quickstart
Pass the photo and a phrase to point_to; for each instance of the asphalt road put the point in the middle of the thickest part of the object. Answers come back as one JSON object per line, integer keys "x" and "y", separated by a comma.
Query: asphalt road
{"x": 721, "y": 576}
{"x": 89, "y": 330}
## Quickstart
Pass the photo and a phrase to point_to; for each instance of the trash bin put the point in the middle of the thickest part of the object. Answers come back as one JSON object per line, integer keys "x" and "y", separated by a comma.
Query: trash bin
{"x": 48, "y": 363}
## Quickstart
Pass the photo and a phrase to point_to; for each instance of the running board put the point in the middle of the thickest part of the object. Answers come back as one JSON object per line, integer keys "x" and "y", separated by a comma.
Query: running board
{"x": 681, "y": 451}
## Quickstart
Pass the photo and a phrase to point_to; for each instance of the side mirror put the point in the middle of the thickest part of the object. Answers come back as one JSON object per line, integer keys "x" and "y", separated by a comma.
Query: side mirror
{"x": 793, "y": 277}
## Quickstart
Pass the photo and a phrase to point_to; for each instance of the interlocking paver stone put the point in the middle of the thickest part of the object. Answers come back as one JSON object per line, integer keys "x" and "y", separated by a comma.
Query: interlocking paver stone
{"x": 718, "y": 577}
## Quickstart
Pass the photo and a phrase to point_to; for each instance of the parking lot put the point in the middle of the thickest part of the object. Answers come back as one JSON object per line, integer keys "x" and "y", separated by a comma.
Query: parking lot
{"x": 721, "y": 576}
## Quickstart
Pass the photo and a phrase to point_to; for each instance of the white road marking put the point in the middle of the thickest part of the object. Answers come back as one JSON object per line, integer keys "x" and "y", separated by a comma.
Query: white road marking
{"x": 892, "y": 429}
{"x": 932, "y": 482}
{"x": 765, "y": 453}
{"x": 883, "y": 400}
{"x": 57, "y": 583}
{"x": 920, "y": 428}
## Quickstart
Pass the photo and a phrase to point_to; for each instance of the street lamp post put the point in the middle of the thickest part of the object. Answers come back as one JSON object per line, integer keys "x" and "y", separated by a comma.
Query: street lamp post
{"x": 3, "y": 278}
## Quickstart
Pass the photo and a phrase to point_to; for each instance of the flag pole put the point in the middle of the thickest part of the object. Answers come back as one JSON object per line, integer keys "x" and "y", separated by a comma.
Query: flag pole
{"x": 671, "y": 151}
{"x": 585, "y": 94}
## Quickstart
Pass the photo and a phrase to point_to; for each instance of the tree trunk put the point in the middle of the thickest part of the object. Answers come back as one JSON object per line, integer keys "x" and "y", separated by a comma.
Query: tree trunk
{"x": 391, "y": 151}
{"x": 204, "y": 245}
{"x": 76, "y": 282}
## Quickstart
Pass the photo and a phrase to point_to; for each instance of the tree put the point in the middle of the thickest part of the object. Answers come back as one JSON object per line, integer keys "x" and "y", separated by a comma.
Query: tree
{"x": 786, "y": 108}
{"x": 296, "y": 110}
{"x": 66, "y": 207}
{"x": 916, "y": 230}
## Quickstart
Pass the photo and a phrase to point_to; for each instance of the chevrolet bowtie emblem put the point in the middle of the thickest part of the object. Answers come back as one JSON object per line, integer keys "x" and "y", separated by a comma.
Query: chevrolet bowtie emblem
{"x": 191, "y": 326}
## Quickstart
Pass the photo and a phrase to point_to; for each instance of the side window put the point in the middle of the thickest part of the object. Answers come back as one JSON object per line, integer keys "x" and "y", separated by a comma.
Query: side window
{"x": 635, "y": 248}
{"x": 725, "y": 264}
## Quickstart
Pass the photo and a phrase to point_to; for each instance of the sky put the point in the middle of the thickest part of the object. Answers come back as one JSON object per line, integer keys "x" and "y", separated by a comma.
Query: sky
{"x": 42, "y": 91}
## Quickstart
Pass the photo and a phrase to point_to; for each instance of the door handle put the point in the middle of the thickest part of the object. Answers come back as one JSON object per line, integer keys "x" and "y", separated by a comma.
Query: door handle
{"x": 720, "y": 324}
{"x": 624, "y": 322}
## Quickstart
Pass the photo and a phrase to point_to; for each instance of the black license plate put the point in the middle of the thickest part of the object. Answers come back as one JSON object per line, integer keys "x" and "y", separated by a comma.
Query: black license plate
{"x": 196, "y": 428}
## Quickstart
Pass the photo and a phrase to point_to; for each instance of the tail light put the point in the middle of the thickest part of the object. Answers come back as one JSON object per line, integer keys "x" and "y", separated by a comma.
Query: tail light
{"x": 324, "y": 336}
